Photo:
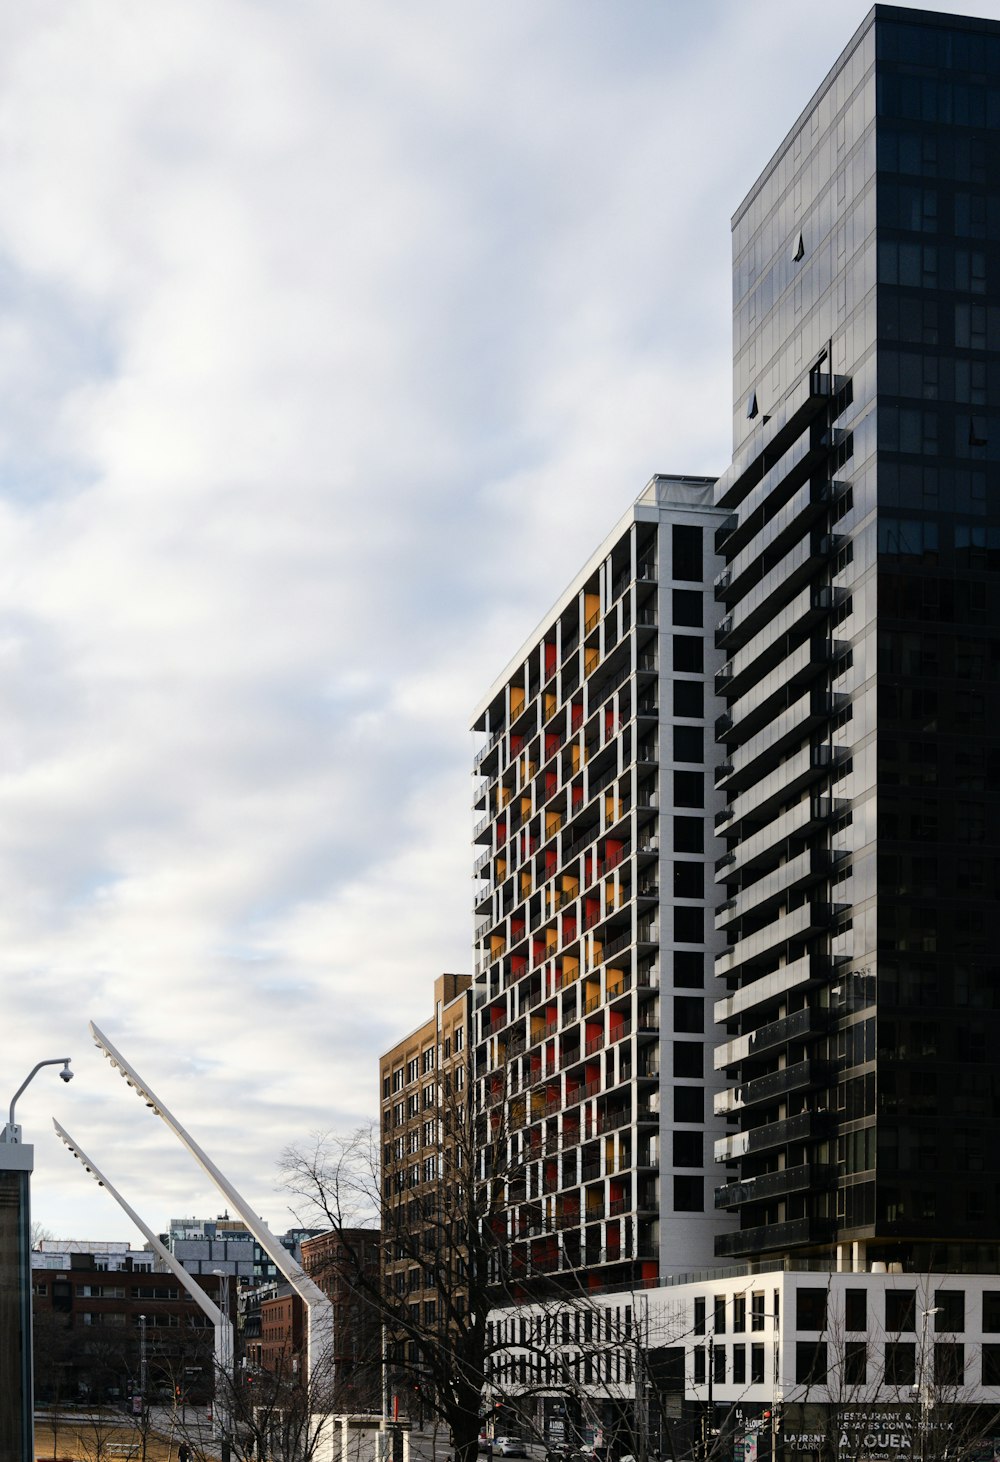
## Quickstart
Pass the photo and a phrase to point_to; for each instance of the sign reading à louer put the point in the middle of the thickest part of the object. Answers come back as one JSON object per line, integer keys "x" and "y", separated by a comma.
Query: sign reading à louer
{"x": 877, "y": 1436}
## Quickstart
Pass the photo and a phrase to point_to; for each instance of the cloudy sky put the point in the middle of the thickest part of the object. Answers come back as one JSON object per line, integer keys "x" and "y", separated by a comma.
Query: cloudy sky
{"x": 332, "y": 338}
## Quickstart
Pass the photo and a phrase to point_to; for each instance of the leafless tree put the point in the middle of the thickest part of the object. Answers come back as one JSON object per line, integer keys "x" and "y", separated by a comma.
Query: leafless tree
{"x": 445, "y": 1262}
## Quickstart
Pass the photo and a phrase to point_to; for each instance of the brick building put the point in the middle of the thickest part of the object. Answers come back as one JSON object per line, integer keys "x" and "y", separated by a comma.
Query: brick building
{"x": 100, "y": 1312}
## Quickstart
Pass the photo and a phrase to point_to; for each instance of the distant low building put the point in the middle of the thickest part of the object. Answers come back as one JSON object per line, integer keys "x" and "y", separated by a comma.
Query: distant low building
{"x": 104, "y": 1313}
{"x": 345, "y": 1265}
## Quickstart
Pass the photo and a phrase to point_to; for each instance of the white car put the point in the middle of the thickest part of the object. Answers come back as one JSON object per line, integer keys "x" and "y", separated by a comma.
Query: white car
{"x": 509, "y": 1447}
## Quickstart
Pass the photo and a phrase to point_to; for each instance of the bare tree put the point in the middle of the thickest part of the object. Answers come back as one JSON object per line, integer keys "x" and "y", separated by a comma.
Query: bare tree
{"x": 445, "y": 1261}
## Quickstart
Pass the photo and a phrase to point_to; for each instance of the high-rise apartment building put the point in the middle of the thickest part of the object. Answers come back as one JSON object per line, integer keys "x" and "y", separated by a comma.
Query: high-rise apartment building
{"x": 860, "y": 620}
{"x": 594, "y": 932}
{"x": 849, "y": 679}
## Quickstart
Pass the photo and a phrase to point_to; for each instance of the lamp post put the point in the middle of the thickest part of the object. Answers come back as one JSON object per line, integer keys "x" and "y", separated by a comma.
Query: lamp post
{"x": 923, "y": 1387}
{"x": 17, "y": 1425}
{"x": 224, "y": 1375}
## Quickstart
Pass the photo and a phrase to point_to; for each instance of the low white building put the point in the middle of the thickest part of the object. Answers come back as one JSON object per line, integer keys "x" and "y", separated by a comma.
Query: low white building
{"x": 872, "y": 1364}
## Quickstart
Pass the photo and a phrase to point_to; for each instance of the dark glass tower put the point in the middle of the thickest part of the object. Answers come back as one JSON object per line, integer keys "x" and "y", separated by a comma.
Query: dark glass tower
{"x": 861, "y": 621}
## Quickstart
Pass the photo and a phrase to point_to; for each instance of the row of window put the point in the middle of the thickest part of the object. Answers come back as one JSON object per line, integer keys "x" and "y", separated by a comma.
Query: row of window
{"x": 900, "y": 1312}
{"x": 855, "y": 1363}
{"x": 555, "y": 1370}
{"x": 421, "y": 1065}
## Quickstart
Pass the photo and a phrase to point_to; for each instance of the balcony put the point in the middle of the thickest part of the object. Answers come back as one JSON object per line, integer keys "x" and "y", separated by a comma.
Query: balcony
{"x": 763, "y": 945}
{"x": 765, "y": 895}
{"x": 802, "y": 1076}
{"x": 760, "y": 702}
{"x": 812, "y": 1021}
{"x": 793, "y": 505}
{"x": 491, "y": 745}
{"x": 775, "y": 1236}
{"x": 809, "y": 396}
{"x": 725, "y": 529}
{"x": 799, "y": 1179}
{"x": 804, "y": 1127}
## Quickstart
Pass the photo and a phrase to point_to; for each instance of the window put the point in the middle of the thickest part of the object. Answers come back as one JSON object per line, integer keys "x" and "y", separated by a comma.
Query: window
{"x": 689, "y": 970}
{"x": 689, "y": 1104}
{"x": 740, "y": 1365}
{"x": 991, "y": 1365}
{"x": 719, "y": 1364}
{"x": 810, "y": 1362}
{"x": 689, "y": 1014}
{"x": 900, "y": 1363}
{"x": 856, "y": 1309}
{"x": 688, "y": 607}
{"x": 459, "y": 1038}
{"x": 756, "y": 1365}
{"x": 689, "y": 1195}
{"x": 950, "y": 1304}
{"x": 686, "y": 544}
{"x": 411, "y": 1070}
{"x": 856, "y": 1363}
{"x": 689, "y": 699}
{"x": 719, "y": 1318}
{"x": 689, "y": 654}
{"x": 949, "y": 1363}
{"x": 699, "y": 1315}
{"x": 757, "y": 1310}
{"x": 739, "y": 1314}
{"x": 900, "y": 1309}
{"x": 810, "y": 1309}
{"x": 689, "y": 1058}
{"x": 427, "y": 1060}
{"x": 689, "y": 789}
{"x": 699, "y": 1366}
{"x": 689, "y": 925}
{"x": 991, "y": 1311}
{"x": 689, "y": 835}
{"x": 397, "y": 1079}
{"x": 689, "y": 880}
{"x": 688, "y": 1151}
{"x": 689, "y": 743}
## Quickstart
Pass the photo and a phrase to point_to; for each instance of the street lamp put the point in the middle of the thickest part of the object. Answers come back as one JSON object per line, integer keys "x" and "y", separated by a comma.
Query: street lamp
{"x": 17, "y": 1427}
{"x": 922, "y": 1387}
{"x": 224, "y": 1373}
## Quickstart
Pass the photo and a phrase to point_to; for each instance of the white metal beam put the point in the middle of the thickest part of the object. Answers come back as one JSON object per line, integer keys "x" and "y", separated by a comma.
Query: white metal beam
{"x": 319, "y": 1311}
{"x": 223, "y": 1324}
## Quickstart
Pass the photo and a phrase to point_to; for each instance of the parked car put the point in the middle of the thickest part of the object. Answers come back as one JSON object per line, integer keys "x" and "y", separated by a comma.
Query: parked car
{"x": 509, "y": 1447}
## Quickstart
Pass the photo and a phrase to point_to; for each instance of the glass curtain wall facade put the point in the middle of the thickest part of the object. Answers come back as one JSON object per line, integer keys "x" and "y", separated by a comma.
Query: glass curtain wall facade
{"x": 860, "y": 606}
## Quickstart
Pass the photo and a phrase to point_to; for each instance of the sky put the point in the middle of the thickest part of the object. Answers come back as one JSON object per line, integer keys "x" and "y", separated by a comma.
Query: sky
{"x": 333, "y": 338}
